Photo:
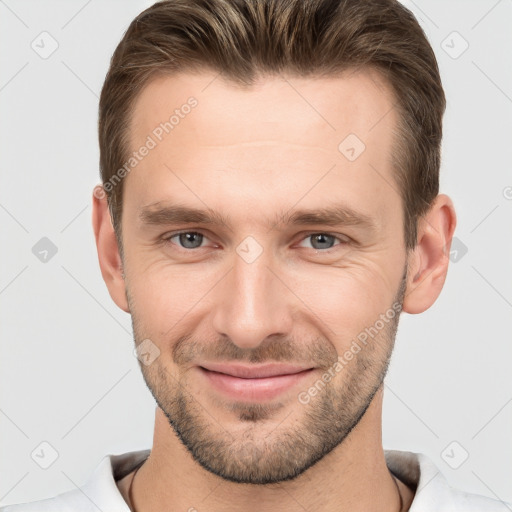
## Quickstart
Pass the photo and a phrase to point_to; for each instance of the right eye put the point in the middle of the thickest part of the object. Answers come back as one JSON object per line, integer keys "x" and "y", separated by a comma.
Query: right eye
{"x": 186, "y": 239}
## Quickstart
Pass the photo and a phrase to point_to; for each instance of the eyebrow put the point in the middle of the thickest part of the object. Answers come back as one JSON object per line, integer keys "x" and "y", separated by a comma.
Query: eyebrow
{"x": 336, "y": 215}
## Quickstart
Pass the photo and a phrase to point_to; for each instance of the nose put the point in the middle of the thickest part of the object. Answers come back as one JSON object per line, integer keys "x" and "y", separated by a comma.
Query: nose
{"x": 253, "y": 303}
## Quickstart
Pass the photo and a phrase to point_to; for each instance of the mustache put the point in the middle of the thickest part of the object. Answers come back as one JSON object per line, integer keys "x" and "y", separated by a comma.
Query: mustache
{"x": 318, "y": 352}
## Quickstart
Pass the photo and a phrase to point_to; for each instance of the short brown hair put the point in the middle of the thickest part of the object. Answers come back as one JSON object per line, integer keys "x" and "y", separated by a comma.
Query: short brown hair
{"x": 244, "y": 39}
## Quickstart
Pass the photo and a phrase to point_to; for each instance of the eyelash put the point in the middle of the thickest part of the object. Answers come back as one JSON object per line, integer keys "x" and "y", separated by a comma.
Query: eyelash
{"x": 167, "y": 239}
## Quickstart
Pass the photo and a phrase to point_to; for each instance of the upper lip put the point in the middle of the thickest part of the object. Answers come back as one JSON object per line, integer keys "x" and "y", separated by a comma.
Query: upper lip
{"x": 254, "y": 371}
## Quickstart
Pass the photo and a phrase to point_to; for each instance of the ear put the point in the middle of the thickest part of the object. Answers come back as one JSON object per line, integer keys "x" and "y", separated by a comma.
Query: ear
{"x": 108, "y": 251}
{"x": 428, "y": 262}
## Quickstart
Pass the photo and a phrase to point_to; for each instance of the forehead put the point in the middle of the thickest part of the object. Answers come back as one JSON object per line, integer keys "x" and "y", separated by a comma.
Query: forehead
{"x": 352, "y": 102}
{"x": 276, "y": 138}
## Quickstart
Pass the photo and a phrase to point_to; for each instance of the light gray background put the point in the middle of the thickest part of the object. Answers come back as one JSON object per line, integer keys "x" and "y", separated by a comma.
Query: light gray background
{"x": 68, "y": 374}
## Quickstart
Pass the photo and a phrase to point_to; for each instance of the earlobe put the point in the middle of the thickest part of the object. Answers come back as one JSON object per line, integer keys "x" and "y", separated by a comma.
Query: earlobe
{"x": 428, "y": 263}
{"x": 109, "y": 257}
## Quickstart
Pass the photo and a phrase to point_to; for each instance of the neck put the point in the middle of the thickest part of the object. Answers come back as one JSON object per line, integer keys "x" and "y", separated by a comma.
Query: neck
{"x": 353, "y": 477}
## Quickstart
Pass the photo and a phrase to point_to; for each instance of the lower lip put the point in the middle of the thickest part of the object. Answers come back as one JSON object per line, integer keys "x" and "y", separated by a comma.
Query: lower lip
{"x": 253, "y": 389}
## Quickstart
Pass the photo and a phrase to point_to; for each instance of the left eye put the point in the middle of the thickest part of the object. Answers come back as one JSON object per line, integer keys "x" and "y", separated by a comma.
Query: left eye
{"x": 189, "y": 239}
{"x": 322, "y": 240}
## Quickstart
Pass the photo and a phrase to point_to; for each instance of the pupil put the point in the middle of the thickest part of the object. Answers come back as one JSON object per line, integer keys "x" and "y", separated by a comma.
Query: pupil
{"x": 322, "y": 239}
{"x": 187, "y": 240}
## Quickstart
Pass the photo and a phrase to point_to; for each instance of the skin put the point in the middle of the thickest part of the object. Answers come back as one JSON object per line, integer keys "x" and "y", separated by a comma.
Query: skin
{"x": 251, "y": 154}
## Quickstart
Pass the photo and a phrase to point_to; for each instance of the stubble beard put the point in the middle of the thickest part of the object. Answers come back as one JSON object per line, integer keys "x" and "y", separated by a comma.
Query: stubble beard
{"x": 261, "y": 450}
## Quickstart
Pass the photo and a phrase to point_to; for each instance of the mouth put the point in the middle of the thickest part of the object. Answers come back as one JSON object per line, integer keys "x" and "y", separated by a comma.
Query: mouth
{"x": 253, "y": 383}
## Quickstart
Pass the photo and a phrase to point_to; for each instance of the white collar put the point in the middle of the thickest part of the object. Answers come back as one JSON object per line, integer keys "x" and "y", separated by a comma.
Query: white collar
{"x": 432, "y": 492}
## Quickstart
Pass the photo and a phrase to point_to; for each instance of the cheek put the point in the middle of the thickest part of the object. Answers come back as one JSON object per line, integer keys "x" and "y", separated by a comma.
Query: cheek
{"x": 342, "y": 302}
{"x": 164, "y": 294}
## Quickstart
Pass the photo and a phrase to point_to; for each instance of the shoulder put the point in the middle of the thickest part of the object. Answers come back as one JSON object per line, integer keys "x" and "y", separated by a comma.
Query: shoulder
{"x": 100, "y": 493}
{"x": 69, "y": 501}
{"x": 432, "y": 490}
{"x": 435, "y": 491}
{"x": 468, "y": 502}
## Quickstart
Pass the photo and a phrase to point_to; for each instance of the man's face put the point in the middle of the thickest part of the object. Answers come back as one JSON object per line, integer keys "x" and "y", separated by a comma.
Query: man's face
{"x": 258, "y": 288}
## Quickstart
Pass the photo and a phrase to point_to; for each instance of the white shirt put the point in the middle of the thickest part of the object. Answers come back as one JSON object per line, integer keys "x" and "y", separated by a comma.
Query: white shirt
{"x": 433, "y": 494}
